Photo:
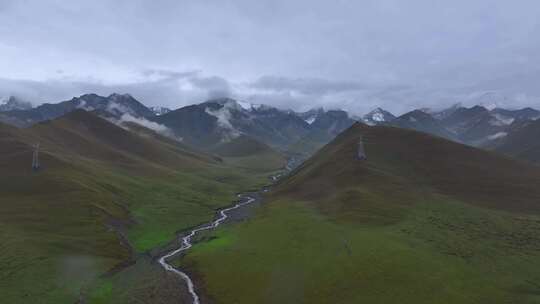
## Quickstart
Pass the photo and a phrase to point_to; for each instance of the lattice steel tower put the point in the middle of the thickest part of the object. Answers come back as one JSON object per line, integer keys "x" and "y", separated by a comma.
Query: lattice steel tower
{"x": 361, "y": 151}
{"x": 35, "y": 158}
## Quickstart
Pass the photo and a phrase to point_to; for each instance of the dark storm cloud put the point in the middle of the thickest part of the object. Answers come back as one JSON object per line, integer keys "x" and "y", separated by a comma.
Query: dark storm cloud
{"x": 350, "y": 54}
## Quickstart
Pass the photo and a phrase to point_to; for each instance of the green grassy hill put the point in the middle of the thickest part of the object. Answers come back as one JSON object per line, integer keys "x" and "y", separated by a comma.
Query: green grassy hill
{"x": 422, "y": 220}
{"x": 103, "y": 196}
{"x": 417, "y": 163}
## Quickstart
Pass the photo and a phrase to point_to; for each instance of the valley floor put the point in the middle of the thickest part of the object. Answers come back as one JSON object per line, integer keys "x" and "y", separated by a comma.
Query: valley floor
{"x": 93, "y": 235}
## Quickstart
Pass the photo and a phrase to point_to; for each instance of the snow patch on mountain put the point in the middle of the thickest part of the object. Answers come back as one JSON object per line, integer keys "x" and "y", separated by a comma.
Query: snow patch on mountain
{"x": 158, "y": 110}
{"x": 310, "y": 120}
{"x": 378, "y": 116}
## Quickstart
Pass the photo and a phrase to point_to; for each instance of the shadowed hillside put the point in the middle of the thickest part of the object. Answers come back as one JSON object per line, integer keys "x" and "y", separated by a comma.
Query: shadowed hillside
{"x": 418, "y": 162}
{"x": 422, "y": 220}
{"x": 86, "y": 135}
{"x": 522, "y": 143}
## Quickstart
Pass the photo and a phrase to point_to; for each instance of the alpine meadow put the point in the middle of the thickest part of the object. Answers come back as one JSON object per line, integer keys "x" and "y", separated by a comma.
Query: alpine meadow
{"x": 273, "y": 152}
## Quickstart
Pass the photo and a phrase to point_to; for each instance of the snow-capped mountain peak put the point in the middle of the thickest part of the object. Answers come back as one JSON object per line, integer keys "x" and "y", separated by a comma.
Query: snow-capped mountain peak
{"x": 378, "y": 116}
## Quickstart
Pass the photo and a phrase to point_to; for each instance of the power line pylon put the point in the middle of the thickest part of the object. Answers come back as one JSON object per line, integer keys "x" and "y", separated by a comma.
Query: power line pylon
{"x": 35, "y": 158}
{"x": 361, "y": 151}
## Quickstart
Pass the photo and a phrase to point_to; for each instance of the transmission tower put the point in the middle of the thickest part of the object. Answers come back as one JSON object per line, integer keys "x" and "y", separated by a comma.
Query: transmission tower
{"x": 361, "y": 152}
{"x": 35, "y": 158}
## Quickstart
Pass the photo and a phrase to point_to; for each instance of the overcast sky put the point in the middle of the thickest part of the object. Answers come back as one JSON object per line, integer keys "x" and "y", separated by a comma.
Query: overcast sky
{"x": 355, "y": 55}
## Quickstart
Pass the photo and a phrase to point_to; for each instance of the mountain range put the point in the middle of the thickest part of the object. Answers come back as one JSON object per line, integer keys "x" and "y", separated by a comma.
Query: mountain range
{"x": 131, "y": 178}
{"x": 114, "y": 104}
{"x": 208, "y": 124}
{"x": 205, "y": 125}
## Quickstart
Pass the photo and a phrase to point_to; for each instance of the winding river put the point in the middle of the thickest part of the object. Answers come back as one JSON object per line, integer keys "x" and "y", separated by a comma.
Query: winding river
{"x": 245, "y": 199}
{"x": 186, "y": 244}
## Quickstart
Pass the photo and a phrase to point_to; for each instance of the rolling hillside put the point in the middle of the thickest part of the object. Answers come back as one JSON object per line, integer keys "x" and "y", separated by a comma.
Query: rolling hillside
{"x": 102, "y": 197}
{"x": 422, "y": 220}
{"x": 421, "y": 160}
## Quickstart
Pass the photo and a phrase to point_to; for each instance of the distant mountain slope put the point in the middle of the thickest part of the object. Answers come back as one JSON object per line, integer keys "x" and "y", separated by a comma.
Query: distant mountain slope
{"x": 311, "y": 115}
{"x": 275, "y": 127}
{"x": 463, "y": 118}
{"x": 378, "y": 116}
{"x": 479, "y": 126}
{"x": 332, "y": 122}
{"x": 324, "y": 127}
{"x": 423, "y": 122}
{"x": 444, "y": 113}
{"x": 213, "y": 122}
{"x": 521, "y": 114}
{"x": 484, "y": 129}
{"x": 14, "y": 103}
{"x": 521, "y": 142}
{"x": 194, "y": 125}
{"x": 115, "y": 105}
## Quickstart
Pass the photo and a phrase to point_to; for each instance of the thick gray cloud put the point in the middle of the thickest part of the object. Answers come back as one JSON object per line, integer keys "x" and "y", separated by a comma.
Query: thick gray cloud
{"x": 311, "y": 86}
{"x": 341, "y": 54}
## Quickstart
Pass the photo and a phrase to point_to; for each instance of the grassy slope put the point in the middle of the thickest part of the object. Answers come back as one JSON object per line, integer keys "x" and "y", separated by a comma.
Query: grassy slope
{"x": 56, "y": 224}
{"x": 423, "y": 220}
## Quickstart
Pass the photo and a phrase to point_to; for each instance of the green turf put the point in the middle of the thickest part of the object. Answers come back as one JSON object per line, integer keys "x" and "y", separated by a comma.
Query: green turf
{"x": 290, "y": 253}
